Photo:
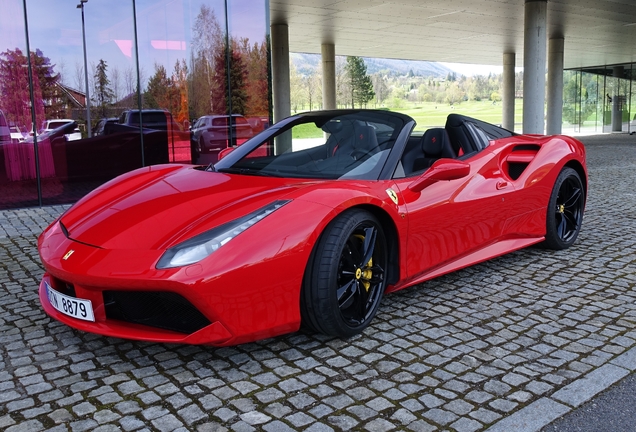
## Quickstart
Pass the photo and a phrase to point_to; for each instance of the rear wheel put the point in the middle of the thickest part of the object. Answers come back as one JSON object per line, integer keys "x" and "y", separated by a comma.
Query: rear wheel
{"x": 565, "y": 210}
{"x": 345, "y": 279}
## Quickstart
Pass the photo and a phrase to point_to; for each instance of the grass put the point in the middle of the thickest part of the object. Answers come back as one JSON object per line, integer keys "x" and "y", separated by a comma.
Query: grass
{"x": 431, "y": 114}
{"x": 307, "y": 130}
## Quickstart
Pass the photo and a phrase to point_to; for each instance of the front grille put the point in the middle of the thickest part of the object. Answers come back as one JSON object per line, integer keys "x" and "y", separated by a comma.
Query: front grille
{"x": 164, "y": 310}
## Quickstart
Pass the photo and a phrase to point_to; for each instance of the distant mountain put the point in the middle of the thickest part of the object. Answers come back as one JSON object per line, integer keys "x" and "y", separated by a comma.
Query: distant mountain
{"x": 306, "y": 63}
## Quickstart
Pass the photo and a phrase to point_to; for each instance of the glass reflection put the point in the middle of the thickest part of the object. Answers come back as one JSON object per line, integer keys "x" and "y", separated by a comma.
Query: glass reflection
{"x": 203, "y": 81}
{"x": 249, "y": 63}
{"x": 18, "y": 187}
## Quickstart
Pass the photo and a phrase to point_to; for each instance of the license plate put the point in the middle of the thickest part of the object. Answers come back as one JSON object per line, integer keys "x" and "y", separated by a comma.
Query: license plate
{"x": 73, "y": 307}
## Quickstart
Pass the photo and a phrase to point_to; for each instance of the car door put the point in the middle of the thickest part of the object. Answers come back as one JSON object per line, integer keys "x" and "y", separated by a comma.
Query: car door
{"x": 452, "y": 218}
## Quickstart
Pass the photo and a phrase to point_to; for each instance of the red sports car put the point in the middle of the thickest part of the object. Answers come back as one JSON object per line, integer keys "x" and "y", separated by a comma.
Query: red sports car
{"x": 310, "y": 222}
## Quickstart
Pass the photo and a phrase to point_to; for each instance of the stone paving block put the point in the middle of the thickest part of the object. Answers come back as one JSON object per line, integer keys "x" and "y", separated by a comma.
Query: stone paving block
{"x": 582, "y": 390}
{"x": 531, "y": 418}
{"x": 626, "y": 360}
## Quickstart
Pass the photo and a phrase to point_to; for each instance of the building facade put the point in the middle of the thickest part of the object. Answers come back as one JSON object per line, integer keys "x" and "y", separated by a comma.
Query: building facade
{"x": 599, "y": 99}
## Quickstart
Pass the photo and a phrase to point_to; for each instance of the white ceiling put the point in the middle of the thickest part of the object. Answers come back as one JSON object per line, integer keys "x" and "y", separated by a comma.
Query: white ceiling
{"x": 596, "y": 32}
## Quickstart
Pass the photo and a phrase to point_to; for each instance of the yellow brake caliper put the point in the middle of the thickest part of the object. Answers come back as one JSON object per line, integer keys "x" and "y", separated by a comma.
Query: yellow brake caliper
{"x": 365, "y": 274}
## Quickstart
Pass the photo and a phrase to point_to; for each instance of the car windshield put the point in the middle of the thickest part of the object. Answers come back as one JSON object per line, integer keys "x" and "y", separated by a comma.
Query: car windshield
{"x": 330, "y": 146}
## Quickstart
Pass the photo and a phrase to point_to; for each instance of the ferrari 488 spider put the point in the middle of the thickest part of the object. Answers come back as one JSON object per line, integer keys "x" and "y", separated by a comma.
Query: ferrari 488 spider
{"x": 312, "y": 221}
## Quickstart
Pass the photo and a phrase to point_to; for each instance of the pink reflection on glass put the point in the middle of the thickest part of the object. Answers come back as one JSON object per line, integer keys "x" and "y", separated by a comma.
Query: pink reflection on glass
{"x": 168, "y": 45}
{"x": 125, "y": 46}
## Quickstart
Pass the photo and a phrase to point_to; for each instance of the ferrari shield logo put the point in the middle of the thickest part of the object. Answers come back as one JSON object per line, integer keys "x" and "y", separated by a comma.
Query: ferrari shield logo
{"x": 391, "y": 193}
{"x": 68, "y": 254}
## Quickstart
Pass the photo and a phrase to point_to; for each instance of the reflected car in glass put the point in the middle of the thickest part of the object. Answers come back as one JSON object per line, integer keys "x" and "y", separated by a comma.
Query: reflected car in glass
{"x": 310, "y": 222}
{"x": 101, "y": 125}
{"x": 211, "y": 134}
{"x": 16, "y": 134}
{"x": 48, "y": 126}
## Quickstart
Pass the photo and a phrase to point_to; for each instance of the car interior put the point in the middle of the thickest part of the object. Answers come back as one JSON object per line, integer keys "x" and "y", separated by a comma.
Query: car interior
{"x": 459, "y": 138}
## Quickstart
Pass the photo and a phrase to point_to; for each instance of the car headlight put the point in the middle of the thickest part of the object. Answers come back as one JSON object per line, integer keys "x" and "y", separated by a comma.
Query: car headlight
{"x": 201, "y": 246}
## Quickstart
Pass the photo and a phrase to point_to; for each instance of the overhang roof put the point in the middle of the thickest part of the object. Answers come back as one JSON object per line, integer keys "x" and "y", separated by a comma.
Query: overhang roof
{"x": 596, "y": 32}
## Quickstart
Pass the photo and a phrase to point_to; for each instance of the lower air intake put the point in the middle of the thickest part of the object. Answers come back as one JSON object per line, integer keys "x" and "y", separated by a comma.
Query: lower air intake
{"x": 164, "y": 310}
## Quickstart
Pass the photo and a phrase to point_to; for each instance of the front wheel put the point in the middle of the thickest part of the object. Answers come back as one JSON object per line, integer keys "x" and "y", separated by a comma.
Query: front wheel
{"x": 565, "y": 210}
{"x": 346, "y": 276}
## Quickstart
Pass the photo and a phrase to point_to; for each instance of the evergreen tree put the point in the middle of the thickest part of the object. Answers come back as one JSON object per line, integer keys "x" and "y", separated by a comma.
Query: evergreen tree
{"x": 160, "y": 88}
{"x": 360, "y": 83}
{"x": 103, "y": 94}
{"x": 237, "y": 81}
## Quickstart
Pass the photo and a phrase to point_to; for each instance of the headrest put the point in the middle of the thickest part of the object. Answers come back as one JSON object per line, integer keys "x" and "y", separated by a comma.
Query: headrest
{"x": 332, "y": 126}
{"x": 434, "y": 141}
{"x": 365, "y": 137}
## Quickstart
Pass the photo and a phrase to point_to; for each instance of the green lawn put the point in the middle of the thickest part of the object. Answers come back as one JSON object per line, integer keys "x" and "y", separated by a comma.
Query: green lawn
{"x": 308, "y": 130}
{"x": 431, "y": 114}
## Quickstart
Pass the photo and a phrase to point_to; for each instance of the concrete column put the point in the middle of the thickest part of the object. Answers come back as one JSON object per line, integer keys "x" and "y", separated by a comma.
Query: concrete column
{"x": 280, "y": 71}
{"x": 555, "y": 86}
{"x": 508, "y": 94}
{"x": 534, "y": 61}
{"x": 281, "y": 93}
{"x": 617, "y": 106}
{"x": 328, "y": 76}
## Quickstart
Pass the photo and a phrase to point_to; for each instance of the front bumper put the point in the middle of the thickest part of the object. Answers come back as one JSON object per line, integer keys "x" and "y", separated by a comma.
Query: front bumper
{"x": 242, "y": 296}
{"x": 213, "y": 334}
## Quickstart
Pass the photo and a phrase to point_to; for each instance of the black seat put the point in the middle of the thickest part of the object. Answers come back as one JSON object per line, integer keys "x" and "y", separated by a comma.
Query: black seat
{"x": 412, "y": 152}
{"x": 435, "y": 145}
{"x": 365, "y": 141}
{"x": 340, "y": 136}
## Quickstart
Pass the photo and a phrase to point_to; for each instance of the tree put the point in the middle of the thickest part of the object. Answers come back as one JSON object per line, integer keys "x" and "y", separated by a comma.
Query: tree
{"x": 342, "y": 82}
{"x": 454, "y": 93}
{"x": 380, "y": 88}
{"x": 207, "y": 40}
{"x": 361, "y": 85}
{"x": 296, "y": 97}
{"x": 179, "y": 100}
{"x": 49, "y": 81}
{"x": 256, "y": 59}
{"x": 237, "y": 81}
{"x": 159, "y": 90}
{"x": 102, "y": 94}
{"x": 312, "y": 86}
{"x": 116, "y": 84}
{"x": 15, "y": 100}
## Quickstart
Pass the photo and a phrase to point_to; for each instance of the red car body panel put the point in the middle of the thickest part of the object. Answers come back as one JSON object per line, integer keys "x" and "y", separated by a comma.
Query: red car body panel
{"x": 252, "y": 289}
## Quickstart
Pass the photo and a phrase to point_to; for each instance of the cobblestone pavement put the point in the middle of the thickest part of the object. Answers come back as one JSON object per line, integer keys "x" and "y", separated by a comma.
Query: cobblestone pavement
{"x": 508, "y": 345}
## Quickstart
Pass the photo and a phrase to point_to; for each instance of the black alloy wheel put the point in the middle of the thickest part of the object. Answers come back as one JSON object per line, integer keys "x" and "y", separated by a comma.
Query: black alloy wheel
{"x": 345, "y": 280}
{"x": 565, "y": 210}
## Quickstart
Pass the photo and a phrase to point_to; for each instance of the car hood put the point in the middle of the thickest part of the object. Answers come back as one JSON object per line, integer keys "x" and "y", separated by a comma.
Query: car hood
{"x": 158, "y": 207}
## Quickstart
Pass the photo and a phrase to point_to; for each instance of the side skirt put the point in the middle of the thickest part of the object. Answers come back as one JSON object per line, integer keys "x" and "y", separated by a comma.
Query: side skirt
{"x": 491, "y": 251}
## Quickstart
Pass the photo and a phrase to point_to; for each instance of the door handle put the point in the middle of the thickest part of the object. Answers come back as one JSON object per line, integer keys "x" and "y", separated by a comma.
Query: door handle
{"x": 502, "y": 184}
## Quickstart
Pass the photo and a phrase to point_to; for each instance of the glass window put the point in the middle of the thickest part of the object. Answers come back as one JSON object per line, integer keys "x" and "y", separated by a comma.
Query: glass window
{"x": 479, "y": 137}
{"x": 327, "y": 147}
{"x": 18, "y": 179}
{"x": 190, "y": 68}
